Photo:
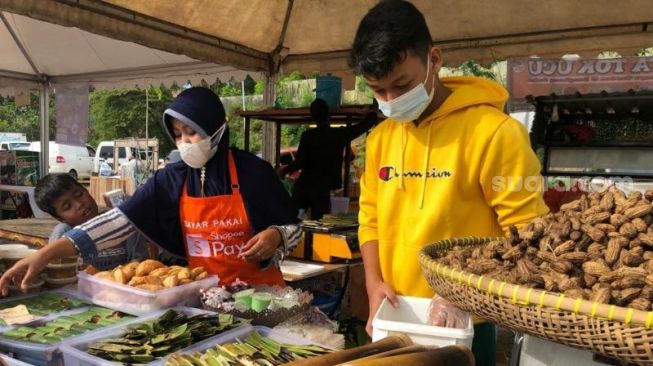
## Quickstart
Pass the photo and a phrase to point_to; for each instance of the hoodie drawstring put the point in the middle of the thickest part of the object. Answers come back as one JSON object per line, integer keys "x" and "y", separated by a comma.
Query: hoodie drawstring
{"x": 427, "y": 155}
{"x": 402, "y": 157}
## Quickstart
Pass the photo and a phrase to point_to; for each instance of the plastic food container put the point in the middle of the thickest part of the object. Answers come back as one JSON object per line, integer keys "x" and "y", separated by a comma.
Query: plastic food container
{"x": 31, "y": 289}
{"x": 66, "y": 270}
{"x": 66, "y": 260}
{"x": 55, "y": 283}
{"x": 12, "y": 361}
{"x": 137, "y": 301}
{"x": 239, "y": 335}
{"x": 7, "y": 248}
{"x": 46, "y": 355}
{"x": 339, "y": 205}
{"x": 74, "y": 351}
{"x": 10, "y": 257}
{"x": 66, "y": 293}
{"x": 410, "y": 319}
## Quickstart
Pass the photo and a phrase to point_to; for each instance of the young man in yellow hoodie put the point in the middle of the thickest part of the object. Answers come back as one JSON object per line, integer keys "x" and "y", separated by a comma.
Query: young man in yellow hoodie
{"x": 446, "y": 163}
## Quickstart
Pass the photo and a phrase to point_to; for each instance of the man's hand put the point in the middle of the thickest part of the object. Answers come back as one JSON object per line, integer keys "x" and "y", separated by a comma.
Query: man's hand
{"x": 262, "y": 246}
{"x": 376, "y": 292}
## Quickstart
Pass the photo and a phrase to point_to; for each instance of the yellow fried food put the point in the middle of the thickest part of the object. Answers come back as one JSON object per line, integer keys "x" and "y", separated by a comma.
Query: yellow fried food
{"x": 183, "y": 273}
{"x": 195, "y": 271}
{"x": 147, "y": 266}
{"x": 185, "y": 281}
{"x": 129, "y": 270}
{"x": 138, "y": 280}
{"x": 105, "y": 275}
{"x": 202, "y": 275}
{"x": 160, "y": 272}
{"x": 118, "y": 275}
{"x": 92, "y": 270}
{"x": 153, "y": 280}
{"x": 170, "y": 281}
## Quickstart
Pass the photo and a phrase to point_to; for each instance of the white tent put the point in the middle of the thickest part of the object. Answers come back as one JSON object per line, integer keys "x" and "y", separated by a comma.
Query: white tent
{"x": 38, "y": 55}
{"x": 284, "y": 35}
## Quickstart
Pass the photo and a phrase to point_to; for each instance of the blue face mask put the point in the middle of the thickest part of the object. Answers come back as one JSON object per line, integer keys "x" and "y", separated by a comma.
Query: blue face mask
{"x": 410, "y": 105}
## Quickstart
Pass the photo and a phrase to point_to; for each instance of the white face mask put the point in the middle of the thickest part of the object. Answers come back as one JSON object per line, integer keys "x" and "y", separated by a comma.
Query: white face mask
{"x": 195, "y": 155}
{"x": 410, "y": 105}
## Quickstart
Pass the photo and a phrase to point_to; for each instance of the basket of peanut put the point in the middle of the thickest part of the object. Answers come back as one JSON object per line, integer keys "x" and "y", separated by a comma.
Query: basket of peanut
{"x": 582, "y": 276}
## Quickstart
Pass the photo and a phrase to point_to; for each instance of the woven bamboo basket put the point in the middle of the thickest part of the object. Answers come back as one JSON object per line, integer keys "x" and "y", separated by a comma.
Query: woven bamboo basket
{"x": 613, "y": 331}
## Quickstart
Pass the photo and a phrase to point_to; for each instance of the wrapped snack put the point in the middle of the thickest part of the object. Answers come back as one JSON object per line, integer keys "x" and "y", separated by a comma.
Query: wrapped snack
{"x": 442, "y": 313}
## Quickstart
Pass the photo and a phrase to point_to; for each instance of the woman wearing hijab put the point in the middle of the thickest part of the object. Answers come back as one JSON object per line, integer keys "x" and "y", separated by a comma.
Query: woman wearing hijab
{"x": 221, "y": 208}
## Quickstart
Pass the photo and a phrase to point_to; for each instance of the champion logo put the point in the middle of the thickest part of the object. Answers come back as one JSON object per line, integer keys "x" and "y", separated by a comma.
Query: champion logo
{"x": 386, "y": 173}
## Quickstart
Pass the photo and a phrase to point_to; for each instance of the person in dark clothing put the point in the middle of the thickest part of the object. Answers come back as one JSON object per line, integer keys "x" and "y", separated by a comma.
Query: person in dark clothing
{"x": 320, "y": 156}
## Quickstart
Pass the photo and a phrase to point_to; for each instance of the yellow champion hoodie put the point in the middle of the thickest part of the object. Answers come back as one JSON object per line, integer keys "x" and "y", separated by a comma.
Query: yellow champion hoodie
{"x": 466, "y": 170}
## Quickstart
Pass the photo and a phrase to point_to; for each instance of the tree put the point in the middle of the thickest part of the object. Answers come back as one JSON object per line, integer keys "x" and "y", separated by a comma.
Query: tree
{"x": 121, "y": 113}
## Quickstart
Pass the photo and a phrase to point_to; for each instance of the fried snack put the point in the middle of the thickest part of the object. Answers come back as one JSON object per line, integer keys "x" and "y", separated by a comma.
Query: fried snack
{"x": 147, "y": 266}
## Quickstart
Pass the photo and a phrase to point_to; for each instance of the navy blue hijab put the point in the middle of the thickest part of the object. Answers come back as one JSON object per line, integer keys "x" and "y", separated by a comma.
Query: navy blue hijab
{"x": 154, "y": 208}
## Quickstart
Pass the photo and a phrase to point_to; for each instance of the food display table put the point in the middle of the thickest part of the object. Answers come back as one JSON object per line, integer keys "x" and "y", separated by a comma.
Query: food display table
{"x": 29, "y": 231}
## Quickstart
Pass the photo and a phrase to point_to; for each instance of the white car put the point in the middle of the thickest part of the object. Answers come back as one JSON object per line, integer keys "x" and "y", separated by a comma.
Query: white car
{"x": 15, "y": 145}
{"x": 105, "y": 151}
{"x": 74, "y": 160}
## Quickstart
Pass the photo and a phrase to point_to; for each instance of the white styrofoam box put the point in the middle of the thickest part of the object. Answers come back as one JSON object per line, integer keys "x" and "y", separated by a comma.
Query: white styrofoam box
{"x": 411, "y": 318}
{"x": 137, "y": 301}
{"x": 540, "y": 352}
{"x": 74, "y": 351}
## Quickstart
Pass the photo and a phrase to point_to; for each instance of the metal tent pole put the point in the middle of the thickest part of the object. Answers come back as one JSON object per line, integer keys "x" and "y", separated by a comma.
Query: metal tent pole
{"x": 44, "y": 114}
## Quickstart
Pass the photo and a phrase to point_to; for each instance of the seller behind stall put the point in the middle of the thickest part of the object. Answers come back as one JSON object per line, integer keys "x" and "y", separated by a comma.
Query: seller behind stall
{"x": 222, "y": 208}
{"x": 432, "y": 167}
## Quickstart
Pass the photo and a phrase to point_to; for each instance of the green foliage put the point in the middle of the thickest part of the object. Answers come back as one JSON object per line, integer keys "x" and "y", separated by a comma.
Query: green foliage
{"x": 121, "y": 113}
{"x": 471, "y": 68}
{"x": 24, "y": 119}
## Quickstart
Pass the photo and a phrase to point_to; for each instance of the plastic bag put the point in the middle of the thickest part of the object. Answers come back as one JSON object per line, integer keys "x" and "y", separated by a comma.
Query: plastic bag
{"x": 442, "y": 313}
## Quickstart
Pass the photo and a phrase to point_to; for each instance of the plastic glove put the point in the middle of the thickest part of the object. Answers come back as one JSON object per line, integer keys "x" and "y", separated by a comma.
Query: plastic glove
{"x": 442, "y": 313}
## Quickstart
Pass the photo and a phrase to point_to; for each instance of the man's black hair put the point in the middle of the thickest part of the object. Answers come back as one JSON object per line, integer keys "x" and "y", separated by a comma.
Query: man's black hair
{"x": 320, "y": 111}
{"x": 387, "y": 34}
{"x": 51, "y": 187}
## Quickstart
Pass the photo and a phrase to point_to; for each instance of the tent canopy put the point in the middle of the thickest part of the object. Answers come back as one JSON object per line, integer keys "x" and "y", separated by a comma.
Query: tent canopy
{"x": 308, "y": 35}
{"x": 34, "y": 49}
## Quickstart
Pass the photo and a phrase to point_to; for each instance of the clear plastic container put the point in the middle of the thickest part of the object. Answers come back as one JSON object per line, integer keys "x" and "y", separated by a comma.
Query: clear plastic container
{"x": 137, "y": 301}
{"x": 339, "y": 205}
{"x": 72, "y": 294}
{"x": 60, "y": 282}
{"x": 410, "y": 319}
{"x": 50, "y": 354}
{"x": 60, "y": 271}
{"x": 74, "y": 351}
{"x": 9, "y": 361}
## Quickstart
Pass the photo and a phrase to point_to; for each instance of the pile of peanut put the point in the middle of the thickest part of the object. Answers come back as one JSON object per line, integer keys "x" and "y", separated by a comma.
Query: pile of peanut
{"x": 599, "y": 248}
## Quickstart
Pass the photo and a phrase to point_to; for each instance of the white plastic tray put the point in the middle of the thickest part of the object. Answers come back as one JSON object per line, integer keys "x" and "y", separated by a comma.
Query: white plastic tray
{"x": 74, "y": 350}
{"x": 52, "y": 316}
{"x": 410, "y": 319}
{"x": 47, "y": 354}
{"x": 12, "y": 361}
{"x": 137, "y": 301}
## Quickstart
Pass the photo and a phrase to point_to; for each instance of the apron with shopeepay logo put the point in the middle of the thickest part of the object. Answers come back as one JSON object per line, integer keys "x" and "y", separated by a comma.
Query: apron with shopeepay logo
{"x": 216, "y": 229}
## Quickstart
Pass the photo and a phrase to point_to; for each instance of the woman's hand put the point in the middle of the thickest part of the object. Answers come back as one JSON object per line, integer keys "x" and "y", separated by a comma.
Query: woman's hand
{"x": 23, "y": 273}
{"x": 262, "y": 246}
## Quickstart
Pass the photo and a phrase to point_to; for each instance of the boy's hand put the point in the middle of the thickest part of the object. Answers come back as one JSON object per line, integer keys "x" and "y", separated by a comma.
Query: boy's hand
{"x": 376, "y": 292}
{"x": 24, "y": 272}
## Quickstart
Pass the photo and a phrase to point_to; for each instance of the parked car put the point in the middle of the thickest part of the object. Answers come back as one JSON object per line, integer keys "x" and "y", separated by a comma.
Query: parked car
{"x": 15, "y": 145}
{"x": 72, "y": 159}
{"x": 105, "y": 151}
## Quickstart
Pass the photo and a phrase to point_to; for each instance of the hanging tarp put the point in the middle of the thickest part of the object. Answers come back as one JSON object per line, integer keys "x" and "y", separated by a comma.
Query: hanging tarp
{"x": 308, "y": 35}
